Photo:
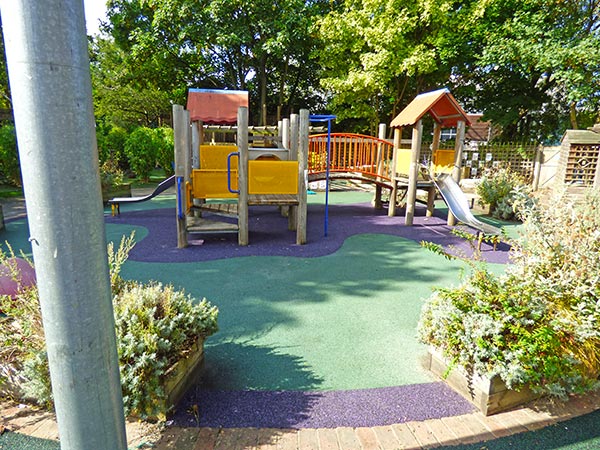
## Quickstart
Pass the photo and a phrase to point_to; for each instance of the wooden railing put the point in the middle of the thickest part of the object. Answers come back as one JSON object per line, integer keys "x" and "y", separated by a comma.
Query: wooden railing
{"x": 356, "y": 154}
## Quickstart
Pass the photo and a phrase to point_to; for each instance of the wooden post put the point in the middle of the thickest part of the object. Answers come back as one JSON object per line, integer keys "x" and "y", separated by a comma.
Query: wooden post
{"x": 285, "y": 133}
{"x": 435, "y": 144}
{"x": 293, "y": 156}
{"x": 302, "y": 173}
{"x": 180, "y": 137}
{"x": 413, "y": 175}
{"x": 242, "y": 144}
{"x": 195, "y": 146}
{"x": 294, "y": 137}
{"x": 456, "y": 170}
{"x": 394, "y": 192}
{"x": 537, "y": 169}
{"x": 379, "y": 164}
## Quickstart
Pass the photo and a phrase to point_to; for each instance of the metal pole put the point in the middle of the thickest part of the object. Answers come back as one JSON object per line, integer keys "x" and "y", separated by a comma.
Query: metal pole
{"x": 48, "y": 65}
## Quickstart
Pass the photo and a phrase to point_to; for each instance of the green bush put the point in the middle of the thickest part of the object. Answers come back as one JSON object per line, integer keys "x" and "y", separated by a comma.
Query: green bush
{"x": 141, "y": 149}
{"x": 156, "y": 326}
{"x": 166, "y": 150}
{"x": 9, "y": 156}
{"x": 111, "y": 147}
{"x": 539, "y": 323}
{"x": 501, "y": 189}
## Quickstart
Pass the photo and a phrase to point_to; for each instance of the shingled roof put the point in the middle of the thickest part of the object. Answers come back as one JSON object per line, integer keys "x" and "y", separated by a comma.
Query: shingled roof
{"x": 440, "y": 104}
{"x": 215, "y": 107}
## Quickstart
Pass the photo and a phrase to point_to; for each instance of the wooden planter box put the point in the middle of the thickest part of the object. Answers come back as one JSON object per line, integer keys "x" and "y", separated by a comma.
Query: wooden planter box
{"x": 123, "y": 190}
{"x": 178, "y": 379}
{"x": 490, "y": 396}
{"x": 181, "y": 376}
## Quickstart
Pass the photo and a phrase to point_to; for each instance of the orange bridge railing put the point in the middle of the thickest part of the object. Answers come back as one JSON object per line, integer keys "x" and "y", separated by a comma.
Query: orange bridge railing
{"x": 351, "y": 156}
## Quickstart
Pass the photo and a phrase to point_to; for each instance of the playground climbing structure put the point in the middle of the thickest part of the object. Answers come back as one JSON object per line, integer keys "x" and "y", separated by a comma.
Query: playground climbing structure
{"x": 227, "y": 178}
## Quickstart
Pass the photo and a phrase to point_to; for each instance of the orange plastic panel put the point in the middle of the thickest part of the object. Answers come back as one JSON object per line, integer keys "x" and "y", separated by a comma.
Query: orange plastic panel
{"x": 272, "y": 177}
{"x": 212, "y": 183}
{"x": 215, "y": 156}
{"x": 443, "y": 161}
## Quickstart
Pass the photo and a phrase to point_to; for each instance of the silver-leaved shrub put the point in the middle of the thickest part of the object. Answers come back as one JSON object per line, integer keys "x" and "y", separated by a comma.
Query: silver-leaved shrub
{"x": 156, "y": 325}
{"x": 539, "y": 323}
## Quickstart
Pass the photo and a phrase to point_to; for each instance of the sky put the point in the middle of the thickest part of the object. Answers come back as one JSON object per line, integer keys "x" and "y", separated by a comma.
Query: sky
{"x": 94, "y": 11}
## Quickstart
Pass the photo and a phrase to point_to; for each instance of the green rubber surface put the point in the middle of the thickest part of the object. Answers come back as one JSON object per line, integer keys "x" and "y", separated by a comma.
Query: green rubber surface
{"x": 342, "y": 321}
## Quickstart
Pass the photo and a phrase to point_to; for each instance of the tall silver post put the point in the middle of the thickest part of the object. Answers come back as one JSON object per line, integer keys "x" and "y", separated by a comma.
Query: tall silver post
{"x": 47, "y": 55}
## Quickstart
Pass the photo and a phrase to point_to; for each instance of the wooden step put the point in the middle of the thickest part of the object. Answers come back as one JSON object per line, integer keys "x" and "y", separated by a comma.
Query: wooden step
{"x": 273, "y": 199}
{"x": 222, "y": 209}
{"x": 201, "y": 225}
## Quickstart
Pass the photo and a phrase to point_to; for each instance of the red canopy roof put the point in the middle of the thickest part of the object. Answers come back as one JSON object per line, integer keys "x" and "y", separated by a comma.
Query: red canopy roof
{"x": 440, "y": 104}
{"x": 215, "y": 107}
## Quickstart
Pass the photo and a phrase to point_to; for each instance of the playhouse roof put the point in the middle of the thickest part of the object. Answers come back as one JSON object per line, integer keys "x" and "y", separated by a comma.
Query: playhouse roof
{"x": 215, "y": 107}
{"x": 440, "y": 104}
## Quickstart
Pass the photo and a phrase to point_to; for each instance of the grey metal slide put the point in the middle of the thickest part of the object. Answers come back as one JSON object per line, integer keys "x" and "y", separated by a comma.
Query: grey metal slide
{"x": 459, "y": 204}
{"x": 163, "y": 186}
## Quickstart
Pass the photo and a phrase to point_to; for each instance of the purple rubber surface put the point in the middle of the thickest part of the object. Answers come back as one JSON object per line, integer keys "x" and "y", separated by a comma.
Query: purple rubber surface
{"x": 269, "y": 235}
{"x": 297, "y": 409}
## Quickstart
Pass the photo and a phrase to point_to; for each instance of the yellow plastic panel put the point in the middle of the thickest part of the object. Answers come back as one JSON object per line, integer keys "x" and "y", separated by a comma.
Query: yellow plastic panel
{"x": 272, "y": 177}
{"x": 403, "y": 157}
{"x": 215, "y": 156}
{"x": 212, "y": 183}
{"x": 443, "y": 161}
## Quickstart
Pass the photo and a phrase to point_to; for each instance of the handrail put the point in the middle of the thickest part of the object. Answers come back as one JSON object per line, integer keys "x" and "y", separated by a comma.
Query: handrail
{"x": 352, "y": 153}
{"x": 180, "y": 213}
{"x": 233, "y": 191}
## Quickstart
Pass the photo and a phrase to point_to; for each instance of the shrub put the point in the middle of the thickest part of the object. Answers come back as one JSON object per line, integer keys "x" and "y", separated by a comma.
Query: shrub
{"x": 112, "y": 147}
{"x": 539, "y": 324}
{"x": 9, "y": 156}
{"x": 166, "y": 150}
{"x": 501, "y": 189}
{"x": 155, "y": 326}
{"x": 141, "y": 149}
{"x": 110, "y": 175}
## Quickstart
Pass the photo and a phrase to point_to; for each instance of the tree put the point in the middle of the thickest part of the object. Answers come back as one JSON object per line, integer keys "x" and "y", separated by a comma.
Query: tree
{"x": 529, "y": 65}
{"x": 532, "y": 66}
{"x": 124, "y": 93}
{"x": 260, "y": 46}
{"x": 377, "y": 55}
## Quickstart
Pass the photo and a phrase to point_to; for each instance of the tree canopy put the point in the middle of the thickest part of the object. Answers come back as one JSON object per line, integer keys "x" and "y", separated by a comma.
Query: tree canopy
{"x": 532, "y": 67}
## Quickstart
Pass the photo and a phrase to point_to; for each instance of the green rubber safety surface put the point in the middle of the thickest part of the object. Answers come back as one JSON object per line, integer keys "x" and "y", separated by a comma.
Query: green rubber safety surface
{"x": 343, "y": 321}
{"x": 17, "y": 441}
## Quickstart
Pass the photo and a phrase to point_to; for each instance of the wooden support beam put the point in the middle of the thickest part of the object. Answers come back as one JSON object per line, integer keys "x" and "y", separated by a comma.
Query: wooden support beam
{"x": 458, "y": 153}
{"x": 394, "y": 192}
{"x": 242, "y": 144}
{"x": 302, "y": 175}
{"x": 413, "y": 175}
{"x": 180, "y": 134}
{"x": 379, "y": 164}
{"x": 537, "y": 169}
{"x": 293, "y": 146}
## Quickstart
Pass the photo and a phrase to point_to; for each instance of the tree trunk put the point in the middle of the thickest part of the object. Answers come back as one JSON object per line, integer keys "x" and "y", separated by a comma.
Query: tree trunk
{"x": 263, "y": 88}
{"x": 573, "y": 116}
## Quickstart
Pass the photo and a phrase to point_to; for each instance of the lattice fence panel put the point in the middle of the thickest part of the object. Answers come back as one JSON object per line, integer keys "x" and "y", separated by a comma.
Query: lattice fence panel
{"x": 581, "y": 164}
{"x": 519, "y": 158}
